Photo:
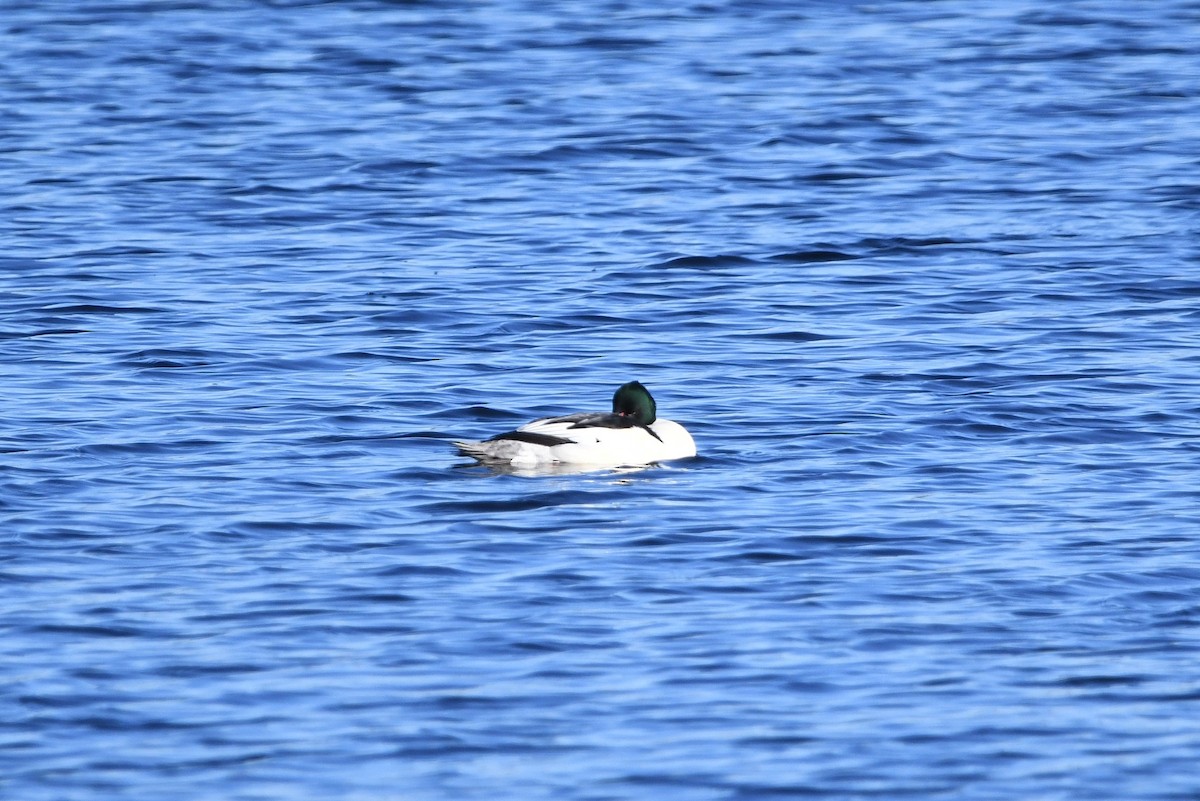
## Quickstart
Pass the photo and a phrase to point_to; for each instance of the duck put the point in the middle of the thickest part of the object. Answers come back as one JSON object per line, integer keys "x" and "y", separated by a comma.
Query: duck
{"x": 631, "y": 435}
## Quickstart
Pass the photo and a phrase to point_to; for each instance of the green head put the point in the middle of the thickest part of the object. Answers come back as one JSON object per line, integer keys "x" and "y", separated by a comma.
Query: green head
{"x": 634, "y": 401}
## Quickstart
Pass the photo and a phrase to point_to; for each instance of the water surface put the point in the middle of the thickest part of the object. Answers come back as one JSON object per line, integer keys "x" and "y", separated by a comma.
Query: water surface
{"x": 921, "y": 278}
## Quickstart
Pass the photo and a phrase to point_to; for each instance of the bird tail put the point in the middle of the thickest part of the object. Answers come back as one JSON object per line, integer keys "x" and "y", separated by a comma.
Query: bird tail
{"x": 476, "y": 450}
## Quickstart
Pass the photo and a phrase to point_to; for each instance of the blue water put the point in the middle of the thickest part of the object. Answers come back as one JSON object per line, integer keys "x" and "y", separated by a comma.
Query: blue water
{"x": 922, "y": 278}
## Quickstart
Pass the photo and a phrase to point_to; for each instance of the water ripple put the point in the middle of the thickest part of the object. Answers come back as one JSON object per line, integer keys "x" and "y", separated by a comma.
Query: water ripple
{"x": 915, "y": 275}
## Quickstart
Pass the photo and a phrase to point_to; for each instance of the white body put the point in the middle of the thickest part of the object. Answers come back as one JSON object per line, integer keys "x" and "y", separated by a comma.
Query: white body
{"x": 597, "y": 446}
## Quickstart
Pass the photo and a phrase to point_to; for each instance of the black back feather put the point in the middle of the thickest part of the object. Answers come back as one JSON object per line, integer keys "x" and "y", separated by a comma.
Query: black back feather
{"x": 533, "y": 438}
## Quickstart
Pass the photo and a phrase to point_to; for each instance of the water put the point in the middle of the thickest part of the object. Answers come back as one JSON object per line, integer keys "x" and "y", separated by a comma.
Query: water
{"x": 920, "y": 277}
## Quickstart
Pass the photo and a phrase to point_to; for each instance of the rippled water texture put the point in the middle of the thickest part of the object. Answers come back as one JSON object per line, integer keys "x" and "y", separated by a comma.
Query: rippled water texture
{"x": 920, "y": 277}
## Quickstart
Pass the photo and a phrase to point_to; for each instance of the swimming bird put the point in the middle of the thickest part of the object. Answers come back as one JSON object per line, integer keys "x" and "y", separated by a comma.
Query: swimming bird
{"x": 630, "y": 435}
